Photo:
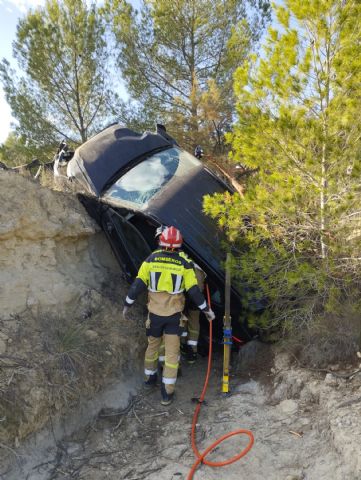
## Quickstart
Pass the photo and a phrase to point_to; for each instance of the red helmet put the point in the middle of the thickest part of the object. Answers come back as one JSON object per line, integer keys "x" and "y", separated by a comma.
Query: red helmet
{"x": 171, "y": 238}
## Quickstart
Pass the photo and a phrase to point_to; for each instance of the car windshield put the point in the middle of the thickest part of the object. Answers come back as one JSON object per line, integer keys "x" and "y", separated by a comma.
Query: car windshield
{"x": 145, "y": 180}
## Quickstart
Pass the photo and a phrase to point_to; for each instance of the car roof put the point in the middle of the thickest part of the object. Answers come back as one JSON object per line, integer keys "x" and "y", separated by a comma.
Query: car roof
{"x": 109, "y": 152}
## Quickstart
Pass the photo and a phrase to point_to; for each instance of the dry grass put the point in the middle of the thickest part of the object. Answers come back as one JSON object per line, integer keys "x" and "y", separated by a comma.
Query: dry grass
{"x": 59, "y": 184}
{"x": 328, "y": 340}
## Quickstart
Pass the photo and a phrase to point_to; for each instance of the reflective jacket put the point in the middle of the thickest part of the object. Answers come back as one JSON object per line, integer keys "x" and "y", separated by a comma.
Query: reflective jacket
{"x": 167, "y": 274}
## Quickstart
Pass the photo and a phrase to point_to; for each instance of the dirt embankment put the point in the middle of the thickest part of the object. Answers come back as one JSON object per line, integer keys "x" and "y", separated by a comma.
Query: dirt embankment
{"x": 62, "y": 337}
{"x": 66, "y": 355}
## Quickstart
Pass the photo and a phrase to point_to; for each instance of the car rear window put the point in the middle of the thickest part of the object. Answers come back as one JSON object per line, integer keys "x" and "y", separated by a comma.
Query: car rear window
{"x": 145, "y": 180}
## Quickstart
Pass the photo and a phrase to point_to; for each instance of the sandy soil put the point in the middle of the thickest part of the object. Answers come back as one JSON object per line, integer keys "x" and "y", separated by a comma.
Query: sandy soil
{"x": 293, "y": 437}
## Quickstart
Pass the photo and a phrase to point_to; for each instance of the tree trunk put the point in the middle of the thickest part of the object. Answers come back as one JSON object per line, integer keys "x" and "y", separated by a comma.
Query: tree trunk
{"x": 323, "y": 199}
{"x": 194, "y": 87}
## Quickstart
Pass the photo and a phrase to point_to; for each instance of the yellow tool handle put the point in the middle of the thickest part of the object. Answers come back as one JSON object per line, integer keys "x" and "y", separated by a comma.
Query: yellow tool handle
{"x": 227, "y": 339}
{"x": 225, "y": 384}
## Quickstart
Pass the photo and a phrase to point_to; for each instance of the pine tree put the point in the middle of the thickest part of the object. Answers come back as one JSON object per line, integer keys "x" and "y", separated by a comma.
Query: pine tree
{"x": 64, "y": 91}
{"x": 170, "y": 49}
{"x": 297, "y": 228}
{"x": 14, "y": 151}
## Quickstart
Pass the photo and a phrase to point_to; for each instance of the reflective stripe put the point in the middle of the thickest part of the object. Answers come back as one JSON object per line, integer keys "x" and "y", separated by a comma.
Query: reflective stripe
{"x": 204, "y": 305}
{"x": 153, "y": 281}
{"x": 170, "y": 293}
{"x": 184, "y": 334}
{"x": 194, "y": 343}
{"x": 193, "y": 331}
{"x": 149, "y": 372}
{"x": 171, "y": 365}
{"x": 152, "y": 359}
{"x": 169, "y": 381}
{"x": 161, "y": 358}
{"x": 178, "y": 284}
{"x": 129, "y": 300}
{"x": 166, "y": 266}
{"x": 169, "y": 245}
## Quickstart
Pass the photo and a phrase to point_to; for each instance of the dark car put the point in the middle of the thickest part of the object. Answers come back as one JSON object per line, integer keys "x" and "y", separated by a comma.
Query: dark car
{"x": 136, "y": 182}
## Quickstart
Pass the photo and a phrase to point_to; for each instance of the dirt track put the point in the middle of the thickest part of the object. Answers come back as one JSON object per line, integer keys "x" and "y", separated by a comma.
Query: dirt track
{"x": 293, "y": 440}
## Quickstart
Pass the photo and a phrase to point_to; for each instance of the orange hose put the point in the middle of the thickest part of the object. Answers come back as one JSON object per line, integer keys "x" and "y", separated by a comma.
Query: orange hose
{"x": 201, "y": 456}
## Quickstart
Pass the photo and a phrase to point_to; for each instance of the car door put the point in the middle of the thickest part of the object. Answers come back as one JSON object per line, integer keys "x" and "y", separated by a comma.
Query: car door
{"x": 128, "y": 244}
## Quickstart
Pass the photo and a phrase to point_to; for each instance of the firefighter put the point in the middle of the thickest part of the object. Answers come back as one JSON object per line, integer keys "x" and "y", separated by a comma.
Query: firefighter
{"x": 189, "y": 321}
{"x": 190, "y": 336}
{"x": 167, "y": 274}
{"x": 198, "y": 152}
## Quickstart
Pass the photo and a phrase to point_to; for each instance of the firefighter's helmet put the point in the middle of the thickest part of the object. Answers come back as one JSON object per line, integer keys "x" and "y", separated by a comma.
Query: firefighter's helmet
{"x": 159, "y": 231}
{"x": 171, "y": 238}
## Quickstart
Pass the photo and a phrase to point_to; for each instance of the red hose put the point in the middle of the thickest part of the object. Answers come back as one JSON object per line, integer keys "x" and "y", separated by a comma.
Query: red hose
{"x": 237, "y": 340}
{"x": 200, "y": 457}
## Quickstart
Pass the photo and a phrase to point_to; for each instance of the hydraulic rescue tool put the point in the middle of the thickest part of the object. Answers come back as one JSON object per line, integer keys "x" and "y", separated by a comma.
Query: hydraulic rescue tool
{"x": 201, "y": 456}
{"x": 227, "y": 327}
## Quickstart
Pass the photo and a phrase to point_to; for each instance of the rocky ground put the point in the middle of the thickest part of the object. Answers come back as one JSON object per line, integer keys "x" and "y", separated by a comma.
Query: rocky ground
{"x": 71, "y": 401}
{"x": 306, "y": 426}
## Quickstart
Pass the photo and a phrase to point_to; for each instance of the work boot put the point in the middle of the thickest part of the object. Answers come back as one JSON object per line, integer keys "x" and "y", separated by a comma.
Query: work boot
{"x": 191, "y": 356}
{"x": 183, "y": 349}
{"x": 188, "y": 354}
{"x": 151, "y": 381}
{"x": 167, "y": 398}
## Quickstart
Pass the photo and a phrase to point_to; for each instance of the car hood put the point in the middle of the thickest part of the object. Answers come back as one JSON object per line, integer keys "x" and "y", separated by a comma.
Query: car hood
{"x": 103, "y": 157}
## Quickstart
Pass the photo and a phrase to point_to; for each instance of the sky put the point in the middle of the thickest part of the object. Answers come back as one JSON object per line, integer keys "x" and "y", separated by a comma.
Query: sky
{"x": 10, "y": 12}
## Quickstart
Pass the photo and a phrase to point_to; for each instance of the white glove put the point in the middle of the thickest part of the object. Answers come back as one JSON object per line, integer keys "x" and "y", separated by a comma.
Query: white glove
{"x": 210, "y": 315}
{"x": 125, "y": 312}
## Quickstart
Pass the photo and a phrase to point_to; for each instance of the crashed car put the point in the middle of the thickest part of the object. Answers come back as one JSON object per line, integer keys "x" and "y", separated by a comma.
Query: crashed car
{"x": 137, "y": 182}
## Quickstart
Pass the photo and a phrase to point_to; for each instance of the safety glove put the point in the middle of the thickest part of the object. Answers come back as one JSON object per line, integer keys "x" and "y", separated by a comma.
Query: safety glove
{"x": 209, "y": 314}
{"x": 126, "y": 312}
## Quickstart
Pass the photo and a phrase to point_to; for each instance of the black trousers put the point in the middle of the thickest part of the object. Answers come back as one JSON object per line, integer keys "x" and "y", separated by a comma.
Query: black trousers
{"x": 160, "y": 325}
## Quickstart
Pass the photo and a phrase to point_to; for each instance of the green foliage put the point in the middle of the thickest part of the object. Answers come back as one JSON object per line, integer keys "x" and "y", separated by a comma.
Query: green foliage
{"x": 14, "y": 151}
{"x": 64, "y": 92}
{"x": 296, "y": 230}
{"x": 171, "y": 50}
